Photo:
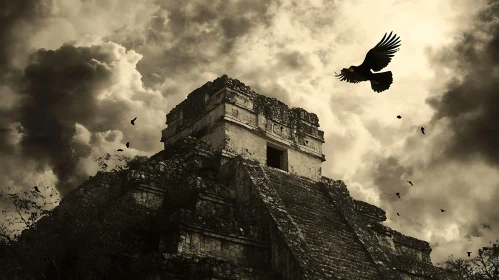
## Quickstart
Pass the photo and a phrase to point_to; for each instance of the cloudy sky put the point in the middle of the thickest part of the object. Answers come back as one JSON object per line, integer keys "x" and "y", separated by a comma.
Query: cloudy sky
{"x": 74, "y": 72}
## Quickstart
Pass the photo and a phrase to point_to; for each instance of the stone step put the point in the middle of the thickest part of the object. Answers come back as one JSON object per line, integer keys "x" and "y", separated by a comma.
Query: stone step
{"x": 215, "y": 206}
{"x": 346, "y": 268}
{"x": 332, "y": 242}
{"x": 321, "y": 215}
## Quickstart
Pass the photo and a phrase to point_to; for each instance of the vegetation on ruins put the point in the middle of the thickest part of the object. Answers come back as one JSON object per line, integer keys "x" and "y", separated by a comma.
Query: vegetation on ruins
{"x": 95, "y": 243}
{"x": 483, "y": 266}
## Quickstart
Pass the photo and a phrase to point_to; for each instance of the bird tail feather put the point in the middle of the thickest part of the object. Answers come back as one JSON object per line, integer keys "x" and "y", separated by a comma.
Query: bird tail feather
{"x": 381, "y": 81}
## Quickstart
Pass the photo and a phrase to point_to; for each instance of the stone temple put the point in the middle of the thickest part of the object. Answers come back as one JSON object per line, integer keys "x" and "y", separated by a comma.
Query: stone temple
{"x": 237, "y": 193}
{"x": 286, "y": 217}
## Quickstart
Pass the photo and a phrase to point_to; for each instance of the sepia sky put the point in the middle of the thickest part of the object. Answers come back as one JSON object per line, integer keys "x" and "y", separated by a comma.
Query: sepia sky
{"x": 74, "y": 72}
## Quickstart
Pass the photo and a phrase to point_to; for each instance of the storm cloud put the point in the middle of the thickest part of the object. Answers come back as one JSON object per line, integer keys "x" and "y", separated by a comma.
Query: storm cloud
{"x": 469, "y": 104}
{"x": 456, "y": 162}
{"x": 75, "y": 86}
{"x": 182, "y": 38}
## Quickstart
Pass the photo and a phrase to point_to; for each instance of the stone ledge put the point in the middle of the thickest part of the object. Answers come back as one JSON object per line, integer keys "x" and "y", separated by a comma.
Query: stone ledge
{"x": 150, "y": 189}
{"x": 280, "y": 122}
{"x": 236, "y": 239}
{"x": 370, "y": 210}
{"x": 216, "y": 199}
{"x": 411, "y": 241}
{"x": 286, "y": 142}
{"x": 215, "y": 224}
{"x": 214, "y": 267}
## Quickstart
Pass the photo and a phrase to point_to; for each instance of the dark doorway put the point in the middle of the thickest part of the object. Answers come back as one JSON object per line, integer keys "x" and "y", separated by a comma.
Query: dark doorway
{"x": 276, "y": 158}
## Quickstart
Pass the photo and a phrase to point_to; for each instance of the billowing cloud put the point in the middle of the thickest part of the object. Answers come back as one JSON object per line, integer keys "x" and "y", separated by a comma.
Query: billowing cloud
{"x": 185, "y": 37}
{"x": 456, "y": 162}
{"x": 59, "y": 84}
{"x": 96, "y": 87}
{"x": 469, "y": 103}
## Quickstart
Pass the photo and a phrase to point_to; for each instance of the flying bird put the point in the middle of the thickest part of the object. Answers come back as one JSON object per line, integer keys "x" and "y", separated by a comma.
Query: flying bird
{"x": 119, "y": 150}
{"x": 410, "y": 182}
{"x": 36, "y": 189}
{"x": 422, "y": 129}
{"x": 398, "y": 214}
{"x": 398, "y": 194}
{"x": 128, "y": 144}
{"x": 469, "y": 254}
{"x": 399, "y": 117}
{"x": 442, "y": 210}
{"x": 133, "y": 121}
{"x": 376, "y": 59}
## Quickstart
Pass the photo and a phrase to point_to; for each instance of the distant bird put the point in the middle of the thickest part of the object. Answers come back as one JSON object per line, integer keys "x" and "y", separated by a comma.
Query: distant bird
{"x": 442, "y": 210}
{"x": 399, "y": 117}
{"x": 133, "y": 121}
{"x": 422, "y": 129}
{"x": 398, "y": 214}
{"x": 410, "y": 182}
{"x": 469, "y": 254}
{"x": 36, "y": 189}
{"x": 119, "y": 150}
{"x": 128, "y": 144}
{"x": 376, "y": 59}
{"x": 398, "y": 194}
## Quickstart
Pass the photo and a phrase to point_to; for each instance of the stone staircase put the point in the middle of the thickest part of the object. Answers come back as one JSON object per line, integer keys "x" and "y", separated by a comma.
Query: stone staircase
{"x": 334, "y": 245}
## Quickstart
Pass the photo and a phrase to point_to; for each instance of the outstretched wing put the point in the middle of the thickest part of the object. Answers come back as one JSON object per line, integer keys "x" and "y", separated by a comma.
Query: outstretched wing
{"x": 348, "y": 76}
{"x": 378, "y": 57}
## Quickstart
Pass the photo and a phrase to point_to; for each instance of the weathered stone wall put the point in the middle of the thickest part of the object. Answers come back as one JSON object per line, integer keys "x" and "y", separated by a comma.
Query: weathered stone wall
{"x": 256, "y": 120}
{"x": 207, "y": 127}
{"x": 95, "y": 192}
{"x": 206, "y": 268}
{"x": 253, "y": 146}
{"x": 370, "y": 211}
{"x": 213, "y": 245}
{"x": 283, "y": 262}
{"x": 277, "y": 120}
{"x": 251, "y": 120}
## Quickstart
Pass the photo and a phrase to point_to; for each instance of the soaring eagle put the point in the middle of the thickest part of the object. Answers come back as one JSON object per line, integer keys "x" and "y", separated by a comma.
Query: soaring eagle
{"x": 376, "y": 59}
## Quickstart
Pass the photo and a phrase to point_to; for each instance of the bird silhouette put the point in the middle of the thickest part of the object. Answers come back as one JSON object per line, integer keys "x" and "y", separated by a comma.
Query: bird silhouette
{"x": 422, "y": 129}
{"x": 133, "y": 121}
{"x": 398, "y": 194}
{"x": 128, "y": 144}
{"x": 399, "y": 117}
{"x": 410, "y": 182}
{"x": 376, "y": 59}
{"x": 442, "y": 210}
{"x": 36, "y": 189}
{"x": 469, "y": 254}
{"x": 119, "y": 150}
{"x": 398, "y": 214}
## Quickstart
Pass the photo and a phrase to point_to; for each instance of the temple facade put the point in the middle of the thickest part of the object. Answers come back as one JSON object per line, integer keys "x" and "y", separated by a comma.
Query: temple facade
{"x": 290, "y": 222}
